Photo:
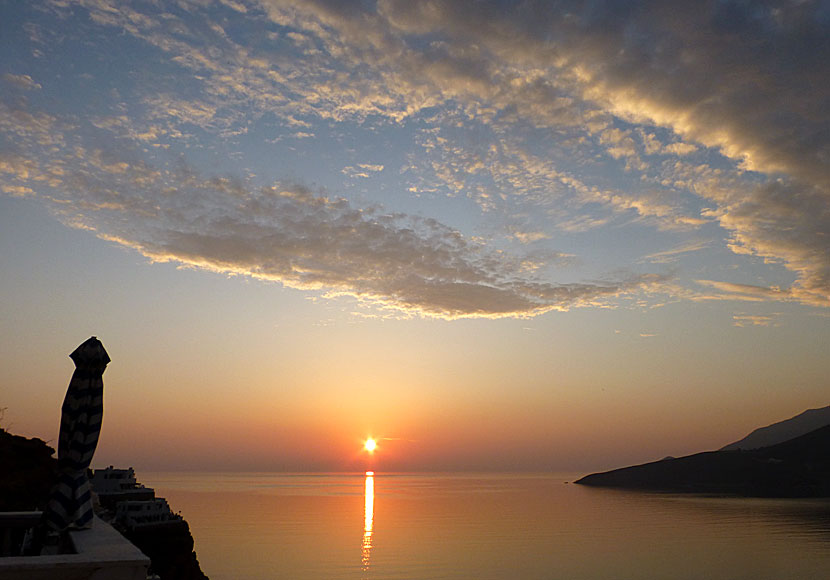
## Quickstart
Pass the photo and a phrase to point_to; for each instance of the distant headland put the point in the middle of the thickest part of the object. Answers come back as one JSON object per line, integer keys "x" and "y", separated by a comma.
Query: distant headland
{"x": 786, "y": 459}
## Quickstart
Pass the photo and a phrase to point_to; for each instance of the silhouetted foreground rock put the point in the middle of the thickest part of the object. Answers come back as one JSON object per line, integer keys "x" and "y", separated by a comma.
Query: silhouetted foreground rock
{"x": 170, "y": 549}
{"x": 28, "y": 472}
{"x": 799, "y": 467}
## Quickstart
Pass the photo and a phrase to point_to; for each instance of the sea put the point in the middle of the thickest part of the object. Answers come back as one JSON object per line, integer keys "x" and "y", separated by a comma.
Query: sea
{"x": 262, "y": 526}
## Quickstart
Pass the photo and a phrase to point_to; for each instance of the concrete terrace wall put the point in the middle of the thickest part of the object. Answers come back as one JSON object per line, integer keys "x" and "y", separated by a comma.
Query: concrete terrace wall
{"x": 101, "y": 554}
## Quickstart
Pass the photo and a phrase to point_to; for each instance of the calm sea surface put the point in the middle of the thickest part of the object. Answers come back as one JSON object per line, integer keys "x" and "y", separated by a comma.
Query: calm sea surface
{"x": 258, "y": 526}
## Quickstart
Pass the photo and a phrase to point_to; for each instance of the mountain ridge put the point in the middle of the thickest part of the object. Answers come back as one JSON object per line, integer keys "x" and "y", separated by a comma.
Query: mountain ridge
{"x": 799, "y": 467}
{"x": 803, "y": 423}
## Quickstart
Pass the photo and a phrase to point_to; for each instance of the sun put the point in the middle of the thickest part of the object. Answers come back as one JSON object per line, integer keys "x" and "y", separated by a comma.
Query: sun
{"x": 370, "y": 445}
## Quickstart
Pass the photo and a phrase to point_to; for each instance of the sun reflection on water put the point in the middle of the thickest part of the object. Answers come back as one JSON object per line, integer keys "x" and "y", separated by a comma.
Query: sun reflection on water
{"x": 368, "y": 518}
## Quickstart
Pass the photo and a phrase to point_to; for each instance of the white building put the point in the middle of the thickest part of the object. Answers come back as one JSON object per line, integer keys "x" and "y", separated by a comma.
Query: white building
{"x": 112, "y": 480}
{"x": 113, "y": 486}
{"x": 147, "y": 513}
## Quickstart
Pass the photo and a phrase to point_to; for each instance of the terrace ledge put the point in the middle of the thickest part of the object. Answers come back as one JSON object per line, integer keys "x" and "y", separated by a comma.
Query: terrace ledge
{"x": 101, "y": 553}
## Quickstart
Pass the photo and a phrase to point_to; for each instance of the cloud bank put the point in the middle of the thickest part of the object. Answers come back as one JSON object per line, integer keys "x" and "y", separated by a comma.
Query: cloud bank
{"x": 748, "y": 79}
{"x": 565, "y": 116}
{"x": 284, "y": 233}
{"x": 288, "y": 234}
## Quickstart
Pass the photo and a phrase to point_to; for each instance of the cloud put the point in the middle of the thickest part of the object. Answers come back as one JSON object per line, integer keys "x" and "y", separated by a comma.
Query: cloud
{"x": 530, "y": 237}
{"x": 24, "y": 82}
{"x": 311, "y": 242}
{"x": 620, "y": 145}
{"x": 284, "y": 233}
{"x": 501, "y": 173}
{"x": 746, "y": 292}
{"x": 680, "y": 148}
{"x": 782, "y": 221}
{"x": 564, "y": 106}
{"x": 660, "y": 62}
{"x": 671, "y": 255}
{"x": 502, "y": 80}
{"x": 744, "y": 320}
{"x": 363, "y": 170}
{"x": 16, "y": 190}
{"x": 26, "y": 126}
{"x": 653, "y": 146}
{"x": 747, "y": 80}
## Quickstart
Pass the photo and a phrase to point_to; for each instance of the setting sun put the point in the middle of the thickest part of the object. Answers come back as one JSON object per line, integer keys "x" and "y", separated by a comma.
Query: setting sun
{"x": 370, "y": 445}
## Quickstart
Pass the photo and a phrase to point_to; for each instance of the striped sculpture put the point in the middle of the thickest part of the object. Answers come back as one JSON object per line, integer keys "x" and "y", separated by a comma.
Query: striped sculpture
{"x": 70, "y": 505}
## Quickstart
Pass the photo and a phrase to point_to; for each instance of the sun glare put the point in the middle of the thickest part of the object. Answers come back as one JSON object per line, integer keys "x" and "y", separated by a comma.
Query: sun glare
{"x": 370, "y": 445}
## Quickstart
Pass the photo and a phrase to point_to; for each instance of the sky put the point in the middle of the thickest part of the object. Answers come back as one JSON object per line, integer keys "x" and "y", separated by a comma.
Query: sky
{"x": 547, "y": 236}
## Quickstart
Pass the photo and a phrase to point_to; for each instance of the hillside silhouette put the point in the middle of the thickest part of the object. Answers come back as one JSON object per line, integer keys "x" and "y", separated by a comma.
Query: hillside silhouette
{"x": 801, "y": 424}
{"x": 799, "y": 467}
